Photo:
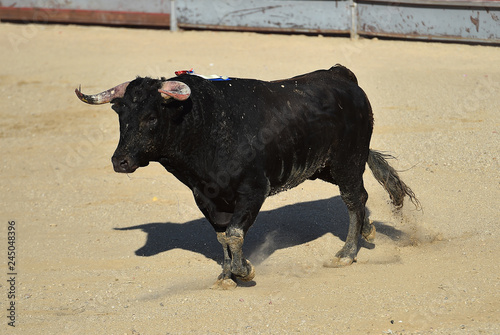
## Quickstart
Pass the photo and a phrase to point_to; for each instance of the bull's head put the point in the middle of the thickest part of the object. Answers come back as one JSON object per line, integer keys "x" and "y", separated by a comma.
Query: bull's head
{"x": 140, "y": 104}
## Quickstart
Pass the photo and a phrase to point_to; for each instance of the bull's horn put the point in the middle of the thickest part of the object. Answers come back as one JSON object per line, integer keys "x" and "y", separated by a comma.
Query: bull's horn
{"x": 103, "y": 97}
{"x": 175, "y": 89}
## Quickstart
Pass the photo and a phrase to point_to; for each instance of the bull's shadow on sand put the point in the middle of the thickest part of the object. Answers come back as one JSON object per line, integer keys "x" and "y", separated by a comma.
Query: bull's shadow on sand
{"x": 274, "y": 229}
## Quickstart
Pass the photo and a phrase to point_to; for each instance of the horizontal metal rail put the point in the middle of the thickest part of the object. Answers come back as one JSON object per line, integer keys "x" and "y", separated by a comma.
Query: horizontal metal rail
{"x": 443, "y": 20}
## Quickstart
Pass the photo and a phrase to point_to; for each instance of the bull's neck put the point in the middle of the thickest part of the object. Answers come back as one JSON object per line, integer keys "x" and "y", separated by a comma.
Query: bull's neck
{"x": 188, "y": 149}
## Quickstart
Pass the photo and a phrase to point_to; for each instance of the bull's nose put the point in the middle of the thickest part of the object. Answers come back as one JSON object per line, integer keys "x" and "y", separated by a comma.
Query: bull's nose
{"x": 122, "y": 164}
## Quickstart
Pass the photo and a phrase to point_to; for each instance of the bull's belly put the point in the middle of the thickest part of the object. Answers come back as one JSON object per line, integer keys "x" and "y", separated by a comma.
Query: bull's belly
{"x": 285, "y": 174}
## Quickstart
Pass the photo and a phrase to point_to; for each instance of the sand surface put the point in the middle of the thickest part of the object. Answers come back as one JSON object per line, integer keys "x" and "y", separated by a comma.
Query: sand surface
{"x": 106, "y": 253}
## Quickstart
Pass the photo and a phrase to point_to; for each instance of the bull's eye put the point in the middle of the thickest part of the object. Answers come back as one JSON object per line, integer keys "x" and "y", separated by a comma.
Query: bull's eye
{"x": 152, "y": 120}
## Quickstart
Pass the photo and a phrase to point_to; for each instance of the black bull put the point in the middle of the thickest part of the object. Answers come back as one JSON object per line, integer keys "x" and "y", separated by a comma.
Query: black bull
{"x": 236, "y": 142}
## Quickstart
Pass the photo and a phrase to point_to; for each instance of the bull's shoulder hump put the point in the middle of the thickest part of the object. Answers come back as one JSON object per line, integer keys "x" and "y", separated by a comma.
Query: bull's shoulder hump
{"x": 343, "y": 72}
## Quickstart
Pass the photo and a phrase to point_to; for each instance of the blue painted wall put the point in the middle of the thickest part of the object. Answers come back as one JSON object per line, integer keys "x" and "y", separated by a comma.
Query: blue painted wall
{"x": 455, "y": 20}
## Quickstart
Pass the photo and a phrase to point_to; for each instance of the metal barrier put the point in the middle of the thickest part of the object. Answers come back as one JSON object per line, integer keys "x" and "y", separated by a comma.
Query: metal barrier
{"x": 448, "y": 20}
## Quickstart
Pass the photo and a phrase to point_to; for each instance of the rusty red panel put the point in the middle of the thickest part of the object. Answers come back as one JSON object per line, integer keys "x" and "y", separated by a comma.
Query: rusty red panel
{"x": 46, "y": 15}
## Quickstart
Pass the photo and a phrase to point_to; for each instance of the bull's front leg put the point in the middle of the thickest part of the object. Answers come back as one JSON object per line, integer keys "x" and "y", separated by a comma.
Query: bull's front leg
{"x": 225, "y": 280}
{"x": 235, "y": 265}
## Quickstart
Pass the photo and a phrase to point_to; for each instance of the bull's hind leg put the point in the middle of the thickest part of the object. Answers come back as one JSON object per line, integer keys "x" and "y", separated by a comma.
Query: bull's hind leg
{"x": 355, "y": 196}
{"x": 368, "y": 230}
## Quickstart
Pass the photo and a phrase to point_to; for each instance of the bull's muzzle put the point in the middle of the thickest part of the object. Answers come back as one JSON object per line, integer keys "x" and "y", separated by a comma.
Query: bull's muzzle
{"x": 124, "y": 164}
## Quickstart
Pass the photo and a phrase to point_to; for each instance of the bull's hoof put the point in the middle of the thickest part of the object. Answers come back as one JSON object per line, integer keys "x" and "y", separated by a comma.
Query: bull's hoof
{"x": 338, "y": 262}
{"x": 251, "y": 273}
{"x": 370, "y": 236}
{"x": 224, "y": 284}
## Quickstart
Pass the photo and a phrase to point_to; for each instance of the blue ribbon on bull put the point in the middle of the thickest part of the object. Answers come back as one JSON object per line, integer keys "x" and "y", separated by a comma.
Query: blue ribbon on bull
{"x": 212, "y": 77}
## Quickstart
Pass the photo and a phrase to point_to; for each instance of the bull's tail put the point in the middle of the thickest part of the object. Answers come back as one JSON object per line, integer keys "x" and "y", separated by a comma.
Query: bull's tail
{"x": 389, "y": 179}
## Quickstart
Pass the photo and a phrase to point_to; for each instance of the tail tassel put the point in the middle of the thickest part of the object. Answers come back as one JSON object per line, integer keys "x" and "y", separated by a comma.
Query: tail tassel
{"x": 388, "y": 177}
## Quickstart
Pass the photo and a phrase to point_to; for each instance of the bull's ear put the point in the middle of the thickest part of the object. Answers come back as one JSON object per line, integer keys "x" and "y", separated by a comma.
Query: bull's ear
{"x": 175, "y": 89}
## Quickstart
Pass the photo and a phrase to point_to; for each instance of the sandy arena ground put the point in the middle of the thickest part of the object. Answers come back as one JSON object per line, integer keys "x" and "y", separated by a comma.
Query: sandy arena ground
{"x": 106, "y": 253}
